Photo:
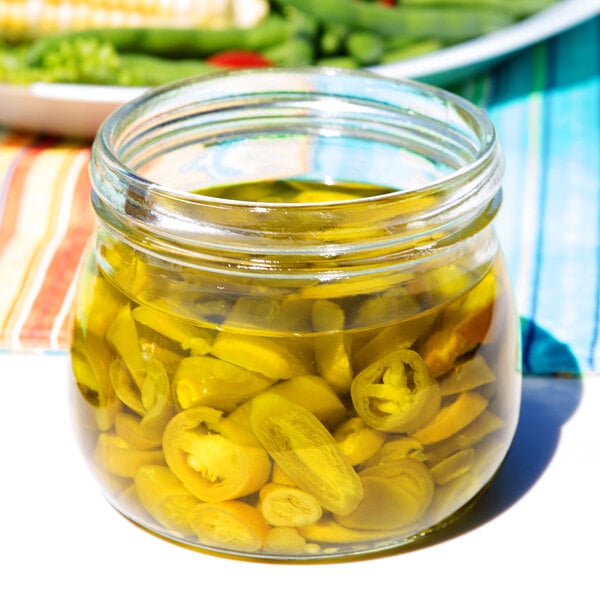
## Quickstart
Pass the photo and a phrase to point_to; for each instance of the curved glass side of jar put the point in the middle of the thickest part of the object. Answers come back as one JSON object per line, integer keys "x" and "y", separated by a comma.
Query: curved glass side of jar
{"x": 296, "y": 375}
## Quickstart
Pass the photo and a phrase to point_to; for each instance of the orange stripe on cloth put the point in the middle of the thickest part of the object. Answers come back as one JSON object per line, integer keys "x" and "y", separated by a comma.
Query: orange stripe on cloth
{"x": 43, "y": 244}
{"x": 16, "y": 154}
{"x": 47, "y": 323}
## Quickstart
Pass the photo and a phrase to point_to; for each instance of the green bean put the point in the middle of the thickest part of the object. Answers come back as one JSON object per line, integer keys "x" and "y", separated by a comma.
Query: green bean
{"x": 151, "y": 70}
{"x": 296, "y": 51}
{"x": 172, "y": 42}
{"x": 365, "y": 47}
{"x": 299, "y": 47}
{"x": 332, "y": 38}
{"x": 450, "y": 24}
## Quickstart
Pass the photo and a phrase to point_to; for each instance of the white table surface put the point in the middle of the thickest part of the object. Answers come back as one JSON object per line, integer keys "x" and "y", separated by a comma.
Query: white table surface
{"x": 534, "y": 535}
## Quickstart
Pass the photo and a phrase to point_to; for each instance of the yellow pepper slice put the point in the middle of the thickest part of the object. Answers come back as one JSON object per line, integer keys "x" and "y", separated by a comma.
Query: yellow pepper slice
{"x": 90, "y": 362}
{"x": 451, "y": 497}
{"x": 395, "y": 495}
{"x": 408, "y": 473}
{"x": 396, "y": 393}
{"x": 290, "y": 313}
{"x": 86, "y": 376}
{"x": 486, "y": 423}
{"x": 474, "y": 315}
{"x": 153, "y": 403}
{"x": 385, "y": 507}
{"x": 97, "y": 305}
{"x": 316, "y": 395}
{"x": 467, "y": 375}
{"x": 116, "y": 456}
{"x": 332, "y": 350}
{"x": 284, "y": 540}
{"x": 306, "y": 452}
{"x": 273, "y": 358}
{"x": 125, "y": 387}
{"x": 357, "y": 441}
{"x": 287, "y": 506}
{"x": 167, "y": 355}
{"x": 328, "y": 531}
{"x": 294, "y": 315}
{"x": 447, "y": 282}
{"x": 465, "y": 324}
{"x": 397, "y": 448}
{"x": 240, "y": 417}
{"x": 231, "y": 525}
{"x": 278, "y": 476}
{"x": 333, "y": 361}
{"x": 388, "y": 307}
{"x": 452, "y": 418}
{"x": 209, "y": 381}
{"x": 199, "y": 346}
{"x": 356, "y": 285}
{"x": 131, "y": 271}
{"x": 164, "y": 497}
{"x": 156, "y": 398}
{"x": 453, "y": 466}
{"x": 169, "y": 326}
{"x": 208, "y": 455}
{"x": 128, "y": 427}
{"x": 123, "y": 336}
{"x": 393, "y": 337}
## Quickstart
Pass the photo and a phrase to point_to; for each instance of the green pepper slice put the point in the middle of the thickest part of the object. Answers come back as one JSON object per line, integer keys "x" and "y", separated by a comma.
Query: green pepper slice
{"x": 397, "y": 393}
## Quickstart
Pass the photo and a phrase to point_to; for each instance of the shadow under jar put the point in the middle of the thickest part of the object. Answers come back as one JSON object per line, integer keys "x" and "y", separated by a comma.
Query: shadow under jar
{"x": 294, "y": 335}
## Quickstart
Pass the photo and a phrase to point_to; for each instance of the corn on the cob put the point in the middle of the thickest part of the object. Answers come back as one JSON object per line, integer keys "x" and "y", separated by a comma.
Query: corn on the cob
{"x": 32, "y": 18}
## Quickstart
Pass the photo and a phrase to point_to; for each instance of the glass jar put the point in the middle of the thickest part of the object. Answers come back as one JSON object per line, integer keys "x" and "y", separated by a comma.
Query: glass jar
{"x": 294, "y": 335}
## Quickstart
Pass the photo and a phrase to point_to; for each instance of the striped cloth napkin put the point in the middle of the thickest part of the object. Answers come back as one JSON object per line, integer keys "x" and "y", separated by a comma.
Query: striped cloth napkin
{"x": 46, "y": 221}
{"x": 545, "y": 104}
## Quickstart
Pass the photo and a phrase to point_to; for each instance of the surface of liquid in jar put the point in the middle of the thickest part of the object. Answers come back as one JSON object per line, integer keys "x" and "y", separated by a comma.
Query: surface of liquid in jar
{"x": 295, "y": 425}
{"x": 295, "y": 191}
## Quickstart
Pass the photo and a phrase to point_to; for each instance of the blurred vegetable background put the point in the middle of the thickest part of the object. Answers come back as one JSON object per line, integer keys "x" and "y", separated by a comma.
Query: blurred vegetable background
{"x": 150, "y": 42}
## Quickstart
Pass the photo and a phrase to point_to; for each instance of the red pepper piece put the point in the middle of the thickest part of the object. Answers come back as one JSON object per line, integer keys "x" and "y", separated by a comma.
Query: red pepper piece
{"x": 237, "y": 59}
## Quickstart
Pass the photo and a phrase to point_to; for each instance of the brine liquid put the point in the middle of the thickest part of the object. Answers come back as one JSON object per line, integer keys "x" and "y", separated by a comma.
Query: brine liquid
{"x": 292, "y": 424}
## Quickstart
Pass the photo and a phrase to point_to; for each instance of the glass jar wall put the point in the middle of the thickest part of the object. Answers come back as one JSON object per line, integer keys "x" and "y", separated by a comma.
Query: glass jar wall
{"x": 294, "y": 335}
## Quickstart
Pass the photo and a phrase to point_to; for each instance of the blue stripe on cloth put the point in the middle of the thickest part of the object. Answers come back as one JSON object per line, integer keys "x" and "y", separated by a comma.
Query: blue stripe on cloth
{"x": 566, "y": 292}
{"x": 545, "y": 104}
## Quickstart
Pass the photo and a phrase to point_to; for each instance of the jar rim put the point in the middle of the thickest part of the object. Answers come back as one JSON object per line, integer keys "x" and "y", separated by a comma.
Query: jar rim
{"x": 107, "y": 140}
{"x": 469, "y": 194}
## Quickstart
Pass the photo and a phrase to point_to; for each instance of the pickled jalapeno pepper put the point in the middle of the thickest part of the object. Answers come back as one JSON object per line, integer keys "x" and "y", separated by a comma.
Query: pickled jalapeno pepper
{"x": 211, "y": 456}
{"x": 306, "y": 452}
{"x": 396, "y": 393}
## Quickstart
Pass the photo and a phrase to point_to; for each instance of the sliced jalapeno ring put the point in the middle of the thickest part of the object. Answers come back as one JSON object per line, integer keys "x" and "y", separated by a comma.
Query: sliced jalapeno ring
{"x": 396, "y": 393}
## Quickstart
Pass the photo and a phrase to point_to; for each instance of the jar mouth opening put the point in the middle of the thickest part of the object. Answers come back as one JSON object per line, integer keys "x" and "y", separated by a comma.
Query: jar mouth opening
{"x": 156, "y": 158}
{"x": 123, "y": 132}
